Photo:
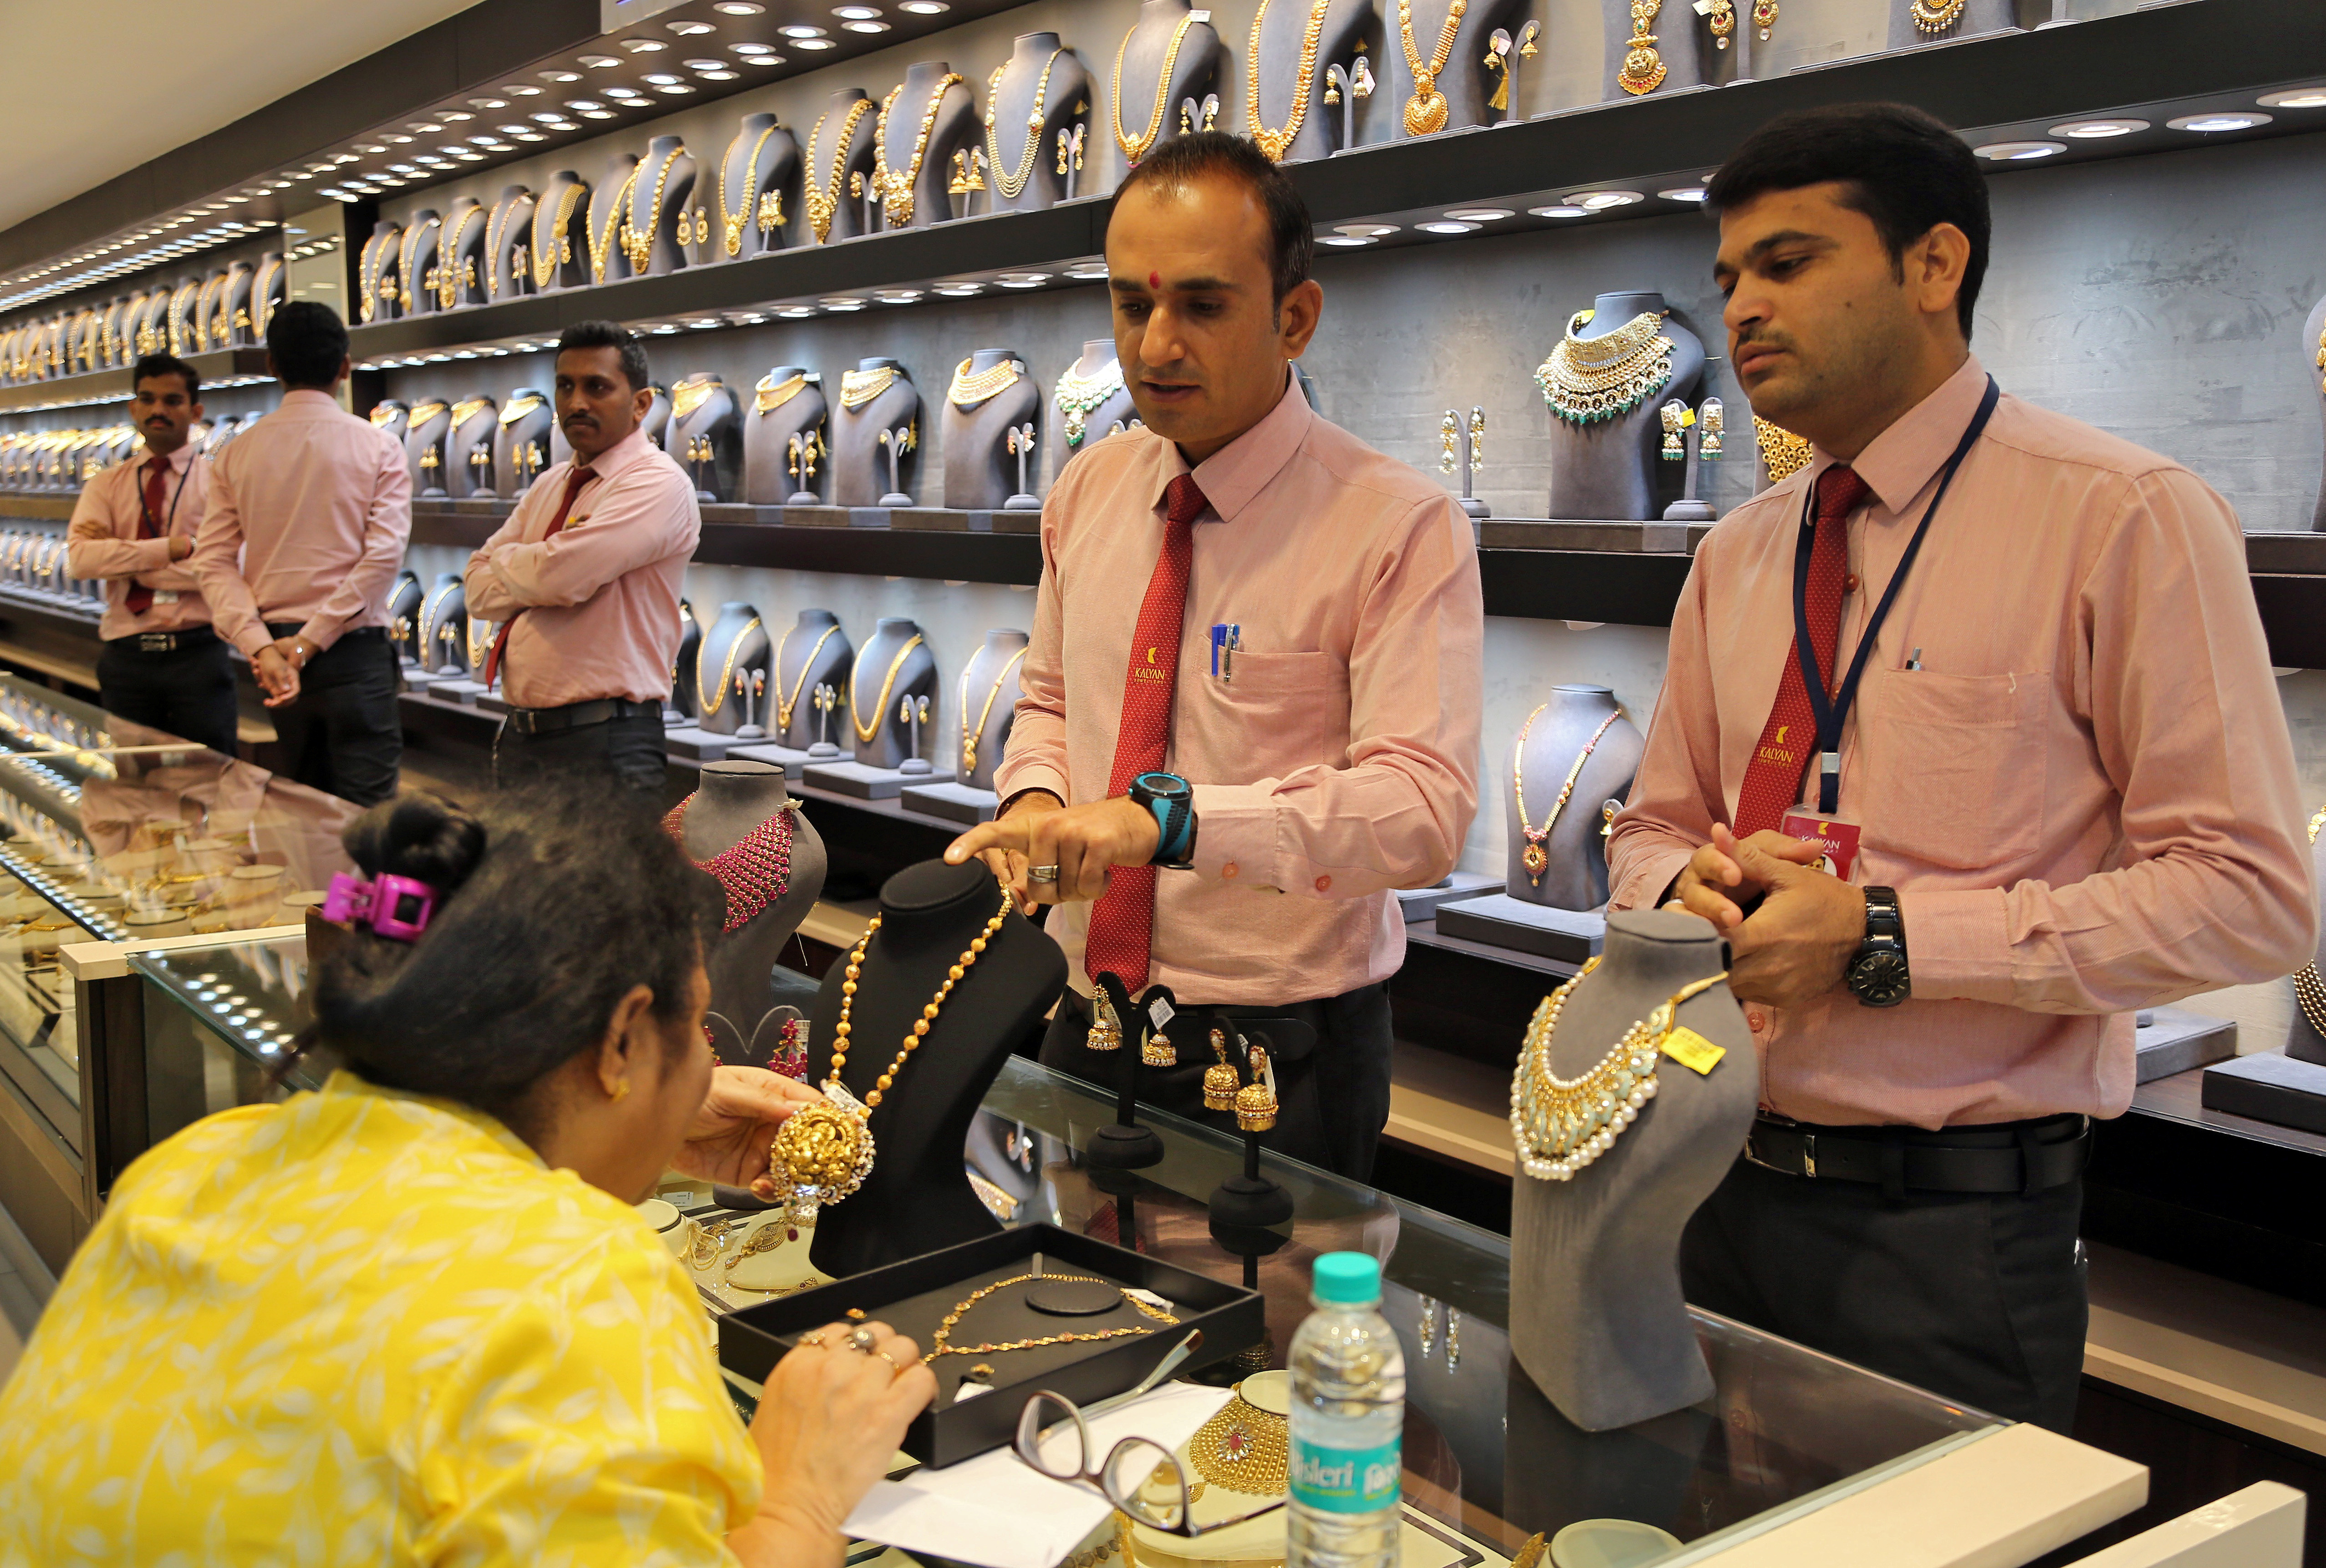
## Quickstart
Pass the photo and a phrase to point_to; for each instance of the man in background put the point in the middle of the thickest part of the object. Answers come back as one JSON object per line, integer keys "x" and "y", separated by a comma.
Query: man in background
{"x": 309, "y": 512}
{"x": 134, "y": 527}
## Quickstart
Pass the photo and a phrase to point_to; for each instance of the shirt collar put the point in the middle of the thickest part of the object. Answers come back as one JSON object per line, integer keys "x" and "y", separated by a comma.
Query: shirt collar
{"x": 308, "y": 397}
{"x": 1233, "y": 476}
{"x": 1896, "y": 464}
{"x": 631, "y": 449}
{"x": 177, "y": 460}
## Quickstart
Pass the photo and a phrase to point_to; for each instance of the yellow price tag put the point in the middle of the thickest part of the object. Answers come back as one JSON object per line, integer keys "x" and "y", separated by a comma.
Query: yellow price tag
{"x": 1693, "y": 1051}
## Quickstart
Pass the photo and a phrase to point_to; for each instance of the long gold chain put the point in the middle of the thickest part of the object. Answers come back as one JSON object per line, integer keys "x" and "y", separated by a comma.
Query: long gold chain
{"x": 1561, "y": 1124}
{"x": 602, "y": 246}
{"x": 1426, "y": 110}
{"x": 896, "y": 186}
{"x": 366, "y": 279}
{"x": 2309, "y": 985}
{"x": 545, "y": 257}
{"x": 448, "y": 259}
{"x": 710, "y": 701}
{"x": 1275, "y": 144}
{"x": 1535, "y": 858}
{"x": 1589, "y": 380}
{"x": 412, "y": 238}
{"x": 1783, "y": 453}
{"x": 639, "y": 244}
{"x": 1135, "y": 148}
{"x": 859, "y": 387}
{"x": 493, "y": 243}
{"x": 261, "y": 290}
{"x": 784, "y": 705}
{"x": 822, "y": 204}
{"x": 733, "y": 222}
{"x": 941, "y": 1342}
{"x": 429, "y": 627}
{"x": 1012, "y": 185}
{"x": 865, "y": 732}
{"x": 772, "y": 395}
{"x": 969, "y": 736}
{"x": 1643, "y": 67}
{"x": 968, "y": 391}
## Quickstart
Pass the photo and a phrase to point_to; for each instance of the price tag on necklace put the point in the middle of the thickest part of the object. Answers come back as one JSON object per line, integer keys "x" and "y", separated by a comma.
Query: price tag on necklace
{"x": 1693, "y": 1051}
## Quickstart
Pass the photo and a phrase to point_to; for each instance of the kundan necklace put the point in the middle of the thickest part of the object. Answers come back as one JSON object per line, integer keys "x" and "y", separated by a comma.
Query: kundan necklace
{"x": 1014, "y": 185}
{"x": 1588, "y": 379}
{"x": 941, "y": 1342}
{"x": 784, "y": 705}
{"x": 1134, "y": 148}
{"x": 1078, "y": 396}
{"x": 1932, "y": 18}
{"x": 1536, "y": 858}
{"x": 895, "y": 186}
{"x": 1783, "y": 453}
{"x": 1563, "y": 1124}
{"x": 865, "y": 732}
{"x": 546, "y": 257}
{"x": 824, "y": 201}
{"x": 1426, "y": 110}
{"x": 602, "y": 246}
{"x": 968, "y": 391}
{"x": 712, "y": 700}
{"x": 1275, "y": 144}
{"x": 824, "y": 1152}
{"x": 733, "y": 222}
{"x": 970, "y": 736}
{"x": 756, "y": 870}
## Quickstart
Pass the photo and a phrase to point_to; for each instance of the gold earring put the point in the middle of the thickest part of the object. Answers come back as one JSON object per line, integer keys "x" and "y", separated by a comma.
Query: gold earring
{"x": 622, "y": 1090}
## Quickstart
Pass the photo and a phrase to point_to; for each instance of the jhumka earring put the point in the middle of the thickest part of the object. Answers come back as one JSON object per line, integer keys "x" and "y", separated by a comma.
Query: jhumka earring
{"x": 1219, "y": 1081}
{"x": 1106, "y": 1028}
{"x": 1709, "y": 419}
{"x": 1157, "y": 1049}
{"x": 1674, "y": 447}
{"x": 1255, "y": 1102}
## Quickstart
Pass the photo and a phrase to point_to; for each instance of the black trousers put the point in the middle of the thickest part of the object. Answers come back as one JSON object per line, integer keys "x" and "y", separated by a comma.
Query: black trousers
{"x": 1333, "y": 1096}
{"x": 188, "y": 691}
{"x": 624, "y": 752}
{"x": 342, "y": 734}
{"x": 1978, "y": 1298}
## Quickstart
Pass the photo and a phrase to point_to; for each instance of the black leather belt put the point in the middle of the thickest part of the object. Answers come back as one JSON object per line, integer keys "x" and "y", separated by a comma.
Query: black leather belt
{"x": 573, "y": 715}
{"x": 352, "y": 635}
{"x": 2019, "y": 1157}
{"x": 166, "y": 642}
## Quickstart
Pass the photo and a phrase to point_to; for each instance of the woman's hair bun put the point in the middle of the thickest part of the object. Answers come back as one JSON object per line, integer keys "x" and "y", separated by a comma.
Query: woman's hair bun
{"x": 418, "y": 835}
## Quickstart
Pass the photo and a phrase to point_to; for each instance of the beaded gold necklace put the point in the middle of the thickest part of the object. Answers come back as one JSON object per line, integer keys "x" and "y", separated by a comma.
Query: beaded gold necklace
{"x": 895, "y": 186}
{"x": 1013, "y": 184}
{"x": 1275, "y": 144}
{"x": 546, "y": 257}
{"x": 971, "y": 736}
{"x": 732, "y": 222}
{"x": 602, "y": 246}
{"x": 1426, "y": 110}
{"x": 1134, "y": 148}
{"x": 941, "y": 1342}
{"x": 1561, "y": 1124}
{"x": 824, "y": 201}
{"x": 1783, "y": 453}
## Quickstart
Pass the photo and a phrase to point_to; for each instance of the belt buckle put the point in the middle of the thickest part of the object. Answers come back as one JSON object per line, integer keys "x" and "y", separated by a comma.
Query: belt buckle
{"x": 157, "y": 641}
{"x": 1808, "y": 1155}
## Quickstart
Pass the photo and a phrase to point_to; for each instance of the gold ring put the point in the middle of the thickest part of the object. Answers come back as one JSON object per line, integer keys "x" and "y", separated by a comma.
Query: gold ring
{"x": 893, "y": 1364}
{"x": 816, "y": 1338}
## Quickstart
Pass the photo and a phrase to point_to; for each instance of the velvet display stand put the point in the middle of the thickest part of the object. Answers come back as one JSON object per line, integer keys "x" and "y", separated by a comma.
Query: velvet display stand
{"x": 917, "y": 1197}
{"x": 1123, "y": 1145}
{"x": 734, "y": 800}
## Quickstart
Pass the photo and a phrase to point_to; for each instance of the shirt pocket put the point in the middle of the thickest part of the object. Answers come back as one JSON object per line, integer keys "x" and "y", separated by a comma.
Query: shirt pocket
{"x": 1279, "y": 713}
{"x": 1954, "y": 767}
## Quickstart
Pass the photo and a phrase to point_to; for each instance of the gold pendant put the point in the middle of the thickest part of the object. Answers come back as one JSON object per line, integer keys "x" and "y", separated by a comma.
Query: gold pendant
{"x": 1426, "y": 110}
{"x": 1537, "y": 860}
{"x": 1643, "y": 67}
{"x": 734, "y": 236}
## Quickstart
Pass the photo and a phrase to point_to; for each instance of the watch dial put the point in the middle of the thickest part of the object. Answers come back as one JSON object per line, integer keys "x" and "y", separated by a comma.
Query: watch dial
{"x": 1881, "y": 979}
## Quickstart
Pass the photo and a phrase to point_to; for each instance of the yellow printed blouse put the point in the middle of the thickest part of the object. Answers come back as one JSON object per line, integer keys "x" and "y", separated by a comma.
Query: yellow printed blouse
{"x": 366, "y": 1328}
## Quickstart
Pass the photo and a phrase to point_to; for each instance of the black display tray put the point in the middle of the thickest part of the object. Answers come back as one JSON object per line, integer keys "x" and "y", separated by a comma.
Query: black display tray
{"x": 2268, "y": 1087}
{"x": 913, "y": 1296}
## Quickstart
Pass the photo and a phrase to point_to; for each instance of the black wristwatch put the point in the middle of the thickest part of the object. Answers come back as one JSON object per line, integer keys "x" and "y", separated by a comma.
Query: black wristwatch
{"x": 1172, "y": 802}
{"x": 1878, "y": 974}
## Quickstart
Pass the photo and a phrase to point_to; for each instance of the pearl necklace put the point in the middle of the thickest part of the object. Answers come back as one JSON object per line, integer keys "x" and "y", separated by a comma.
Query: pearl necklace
{"x": 1077, "y": 396}
{"x": 755, "y": 870}
{"x": 1275, "y": 144}
{"x": 1012, "y": 185}
{"x": 1561, "y": 1124}
{"x": 822, "y": 204}
{"x": 896, "y": 186}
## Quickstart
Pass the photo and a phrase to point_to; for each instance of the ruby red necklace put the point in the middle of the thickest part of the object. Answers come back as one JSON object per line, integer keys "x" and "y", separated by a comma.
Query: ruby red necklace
{"x": 756, "y": 870}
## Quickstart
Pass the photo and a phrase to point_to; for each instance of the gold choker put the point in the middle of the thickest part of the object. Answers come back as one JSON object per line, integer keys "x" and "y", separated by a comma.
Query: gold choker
{"x": 859, "y": 387}
{"x": 968, "y": 391}
{"x": 1586, "y": 380}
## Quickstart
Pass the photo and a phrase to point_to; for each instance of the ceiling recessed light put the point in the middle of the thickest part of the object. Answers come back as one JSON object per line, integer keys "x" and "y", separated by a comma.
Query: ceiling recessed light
{"x": 237, "y": 199}
{"x": 1690, "y": 194}
{"x": 1364, "y": 230}
{"x": 514, "y": 130}
{"x": 426, "y": 127}
{"x": 2243, "y": 120}
{"x": 597, "y": 114}
{"x": 473, "y": 157}
{"x": 455, "y": 115}
{"x": 816, "y": 43}
{"x": 899, "y": 296}
{"x": 664, "y": 330}
{"x": 797, "y": 313}
{"x": 2306, "y": 97}
{"x": 674, "y": 88}
{"x": 1559, "y": 211}
{"x": 623, "y": 92}
{"x": 659, "y": 79}
{"x": 404, "y": 168}
{"x": 856, "y": 12}
{"x": 1446, "y": 226}
{"x": 691, "y": 29}
{"x": 483, "y": 139}
{"x": 488, "y": 103}
{"x": 843, "y": 306}
{"x": 750, "y": 49}
{"x": 701, "y": 324}
{"x": 350, "y": 157}
{"x": 705, "y": 64}
{"x": 738, "y": 7}
{"x": 1477, "y": 213}
{"x": 1601, "y": 200}
{"x": 547, "y": 117}
{"x": 865, "y": 26}
{"x": 2097, "y": 130}
{"x": 399, "y": 141}
{"x": 2019, "y": 152}
{"x": 801, "y": 30}
{"x": 583, "y": 105}
{"x": 563, "y": 126}
{"x": 721, "y": 74}
{"x": 1345, "y": 239}
{"x": 1088, "y": 272}
{"x": 925, "y": 7}
{"x": 960, "y": 290}
{"x": 561, "y": 76}
{"x": 526, "y": 91}
{"x": 645, "y": 45}
{"x": 600, "y": 61}
{"x": 530, "y": 136}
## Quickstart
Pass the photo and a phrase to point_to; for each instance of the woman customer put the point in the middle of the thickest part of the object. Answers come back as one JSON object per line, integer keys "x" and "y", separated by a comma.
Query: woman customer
{"x": 412, "y": 1317}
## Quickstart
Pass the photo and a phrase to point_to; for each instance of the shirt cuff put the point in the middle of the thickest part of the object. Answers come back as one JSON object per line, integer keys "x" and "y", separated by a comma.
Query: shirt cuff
{"x": 321, "y": 631}
{"x": 1235, "y": 836}
{"x": 1032, "y": 775}
{"x": 253, "y": 640}
{"x": 1645, "y": 881}
{"x": 153, "y": 554}
{"x": 1957, "y": 946}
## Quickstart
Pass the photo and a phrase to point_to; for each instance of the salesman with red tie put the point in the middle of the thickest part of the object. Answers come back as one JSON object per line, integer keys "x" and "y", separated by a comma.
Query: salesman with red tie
{"x": 2005, "y": 671}
{"x": 134, "y": 527}
{"x": 1235, "y": 830}
{"x": 583, "y": 582}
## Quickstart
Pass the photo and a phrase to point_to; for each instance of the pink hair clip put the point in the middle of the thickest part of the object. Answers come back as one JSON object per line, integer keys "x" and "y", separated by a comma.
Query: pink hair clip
{"x": 394, "y": 906}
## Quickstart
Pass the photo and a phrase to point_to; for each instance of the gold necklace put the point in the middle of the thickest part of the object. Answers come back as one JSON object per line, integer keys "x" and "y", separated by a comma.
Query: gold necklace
{"x": 734, "y": 221}
{"x": 969, "y": 736}
{"x": 1241, "y": 1449}
{"x": 896, "y": 187}
{"x": 822, "y": 204}
{"x": 865, "y": 732}
{"x": 602, "y": 246}
{"x": 467, "y": 408}
{"x": 1783, "y": 453}
{"x": 261, "y": 291}
{"x": 493, "y": 243}
{"x": 2309, "y": 985}
{"x": 1535, "y": 858}
{"x": 1587, "y": 380}
{"x": 1933, "y": 18}
{"x": 1643, "y": 67}
{"x": 1275, "y": 144}
{"x": 689, "y": 396}
{"x": 421, "y": 412}
{"x": 772, "y": 395}
{"x": 518, "y": 407}
{"x": 429, "y": 624}
{"x": 1012, "y": 185}
{"x": 366, "y": 280}
{"x": 784, "y": 705}
{"x": 1078, "y": 396}
{"x": 941, "y": 1342}
{"x": 1563, "y": 1124}
{"x": 968, "y": 391}
{"x": 712, "y": 700}
{"x": 448, "y": 259}
{"x": 824, "y": 1152}
{"x": 639, "y": 245}
{"x": 859, "y": 387}
{"x": 1426, "y": 110}
{"x": 1135, "y": 148}
{"x": 411, "y": 240}
{"x": 546, "y": 258}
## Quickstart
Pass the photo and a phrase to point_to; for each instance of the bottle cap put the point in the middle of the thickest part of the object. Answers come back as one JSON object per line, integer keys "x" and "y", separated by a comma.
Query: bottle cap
{"x": 1347, "y": 1277}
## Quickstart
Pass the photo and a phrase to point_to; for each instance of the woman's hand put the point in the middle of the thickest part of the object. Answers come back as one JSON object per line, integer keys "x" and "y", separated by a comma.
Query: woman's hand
{"x": 829, "y": 1420}
{"x": 738, "y": 1119}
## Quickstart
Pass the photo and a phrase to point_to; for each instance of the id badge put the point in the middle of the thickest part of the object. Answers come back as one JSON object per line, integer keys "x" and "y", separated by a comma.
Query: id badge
{"x": 166, "y": 596}
{"x": 1838, "y": 839}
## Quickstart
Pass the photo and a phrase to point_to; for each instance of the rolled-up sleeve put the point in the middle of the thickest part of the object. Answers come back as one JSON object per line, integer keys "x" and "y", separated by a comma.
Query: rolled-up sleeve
{"x": 646, "y": 515}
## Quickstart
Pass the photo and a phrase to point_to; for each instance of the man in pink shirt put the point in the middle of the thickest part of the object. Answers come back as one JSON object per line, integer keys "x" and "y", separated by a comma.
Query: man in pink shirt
{"x": 309, "y": 512}
{"x": 583, "y": 581}
{"x": 134, "y": 527}
{"x": 1250, "y": 709}
{"x": 2006, "y": 671}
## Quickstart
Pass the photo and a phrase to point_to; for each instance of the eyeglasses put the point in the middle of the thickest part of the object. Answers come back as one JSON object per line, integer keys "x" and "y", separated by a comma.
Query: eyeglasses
{"x": 1138, "y": 1475}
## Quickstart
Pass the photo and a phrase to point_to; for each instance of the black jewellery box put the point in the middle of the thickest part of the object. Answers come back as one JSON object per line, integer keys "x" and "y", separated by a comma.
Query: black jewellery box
{"x": 913, "y": 1296}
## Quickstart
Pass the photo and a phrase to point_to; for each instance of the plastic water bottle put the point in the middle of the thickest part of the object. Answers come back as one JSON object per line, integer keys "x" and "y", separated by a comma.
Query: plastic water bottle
{"x": 1347, "y": 1422}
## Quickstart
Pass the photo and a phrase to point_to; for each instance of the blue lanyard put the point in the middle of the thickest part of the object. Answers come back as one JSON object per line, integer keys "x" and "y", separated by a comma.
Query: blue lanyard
{"x": 1832, "y": 711}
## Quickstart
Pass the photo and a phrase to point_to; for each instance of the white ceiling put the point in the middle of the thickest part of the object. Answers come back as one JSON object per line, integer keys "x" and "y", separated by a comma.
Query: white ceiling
{"x": 176, "y": 74}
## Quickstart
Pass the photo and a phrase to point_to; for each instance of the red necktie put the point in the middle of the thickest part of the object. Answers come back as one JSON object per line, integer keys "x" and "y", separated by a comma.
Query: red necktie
{"x": 140, "y": 598}
{"x": 1772, "y": 780}
{"x": 1122, "y": 922}
{"x": 574, "y": 480}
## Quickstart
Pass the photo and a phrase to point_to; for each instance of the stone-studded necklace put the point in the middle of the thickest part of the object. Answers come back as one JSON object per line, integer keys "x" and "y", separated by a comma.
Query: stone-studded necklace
{"x": 756, "y": 870}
